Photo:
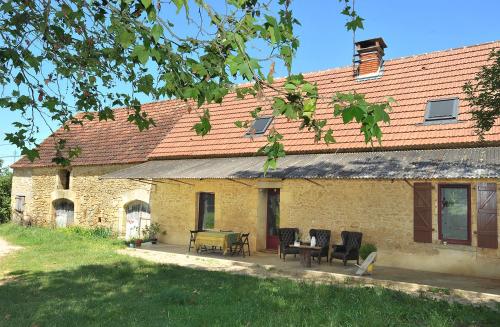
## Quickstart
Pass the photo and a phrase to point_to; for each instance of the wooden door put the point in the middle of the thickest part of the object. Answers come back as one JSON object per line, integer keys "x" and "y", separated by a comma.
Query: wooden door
{"x": 487, "y": 230}
{"x": 273, "y": 219}
{"x": 422, "y": 212}
{"x": 64, "y": 213}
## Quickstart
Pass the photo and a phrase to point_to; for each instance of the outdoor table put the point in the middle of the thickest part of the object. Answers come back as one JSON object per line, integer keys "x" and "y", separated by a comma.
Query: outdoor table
{"x": 222, "y": 240}
{"x": 305, "y": 253}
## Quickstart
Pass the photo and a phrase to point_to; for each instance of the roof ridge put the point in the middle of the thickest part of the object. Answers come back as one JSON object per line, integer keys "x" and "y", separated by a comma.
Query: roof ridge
{"x": 443, "y": 50}
{"x": 403, "y": 57}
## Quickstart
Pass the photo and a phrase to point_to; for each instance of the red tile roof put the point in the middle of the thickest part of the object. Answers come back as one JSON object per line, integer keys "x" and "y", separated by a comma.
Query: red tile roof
{"x": 112, "y": 142}
{"x": 412, "y": 81}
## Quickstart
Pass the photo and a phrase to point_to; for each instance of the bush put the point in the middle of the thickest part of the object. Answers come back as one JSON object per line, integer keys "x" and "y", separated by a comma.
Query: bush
{"x": 366, "y": 249}
{"x": 5, "y": 188}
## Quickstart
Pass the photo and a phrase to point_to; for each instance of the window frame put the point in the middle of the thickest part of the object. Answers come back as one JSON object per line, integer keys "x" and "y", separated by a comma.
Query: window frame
{"x": 468, "y": 241}
{"x": 20, "y": 207}
{"x": 249, "y": 133}
{"x": 199, "y": 219}
{"x": 431, "y": 121}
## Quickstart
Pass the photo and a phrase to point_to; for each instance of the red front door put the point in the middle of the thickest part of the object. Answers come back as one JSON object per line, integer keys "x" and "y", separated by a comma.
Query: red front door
{"x": 273, "y": 219}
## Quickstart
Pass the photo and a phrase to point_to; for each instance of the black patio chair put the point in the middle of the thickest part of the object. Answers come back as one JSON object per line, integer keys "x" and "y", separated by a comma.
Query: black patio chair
{"x": 286, "y": 237}
{"x": 323, "y": 241}
{"x": 349, "y": 249}
{"x": 238, "y": 247}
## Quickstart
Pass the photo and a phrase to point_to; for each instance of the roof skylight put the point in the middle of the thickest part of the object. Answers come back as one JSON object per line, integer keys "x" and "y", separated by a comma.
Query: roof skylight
{"x": 441, "y": 111}
{"x": 259, "y": 126}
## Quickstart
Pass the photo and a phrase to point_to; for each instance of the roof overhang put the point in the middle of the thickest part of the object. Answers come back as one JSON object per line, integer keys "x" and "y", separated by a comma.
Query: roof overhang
{"x": 413, "y": 164}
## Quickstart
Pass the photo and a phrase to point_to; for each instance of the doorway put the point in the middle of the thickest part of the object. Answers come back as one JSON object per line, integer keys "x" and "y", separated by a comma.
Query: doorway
{"x": 64, "y": 212}
{"x": 273, "y": 218}
{"x": 138, "y": 216}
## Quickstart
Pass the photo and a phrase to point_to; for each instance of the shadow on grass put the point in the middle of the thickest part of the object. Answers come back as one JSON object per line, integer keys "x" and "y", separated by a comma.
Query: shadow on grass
{"x": 141, "y": 294}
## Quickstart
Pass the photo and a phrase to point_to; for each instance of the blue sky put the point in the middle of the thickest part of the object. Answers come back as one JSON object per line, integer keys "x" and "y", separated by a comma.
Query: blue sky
{"x": 408, "y": 27}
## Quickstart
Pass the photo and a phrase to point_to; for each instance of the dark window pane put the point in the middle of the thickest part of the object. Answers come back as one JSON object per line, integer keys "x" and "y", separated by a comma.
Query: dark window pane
{"x": 206, "y": 211}
{"x": 64, "y": 179}
{"x": 273, "y": 212}
{"x": 454, "y": 213}
{"x": 442, "y": 109}
{"x": 260, "y": 125}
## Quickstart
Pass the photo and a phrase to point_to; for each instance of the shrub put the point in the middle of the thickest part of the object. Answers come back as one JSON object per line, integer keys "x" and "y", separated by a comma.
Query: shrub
{"x": 5, "y": 186}
{"x": 151, "y": 232}
{"x": 366, "y": 249}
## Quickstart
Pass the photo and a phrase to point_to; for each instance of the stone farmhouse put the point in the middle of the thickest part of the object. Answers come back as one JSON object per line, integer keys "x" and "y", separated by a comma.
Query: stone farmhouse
{"x": 427, "y": 196}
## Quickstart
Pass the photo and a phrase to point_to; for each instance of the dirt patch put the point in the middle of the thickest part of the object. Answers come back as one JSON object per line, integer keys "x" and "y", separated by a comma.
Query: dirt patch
{"x": 5, "y": 249}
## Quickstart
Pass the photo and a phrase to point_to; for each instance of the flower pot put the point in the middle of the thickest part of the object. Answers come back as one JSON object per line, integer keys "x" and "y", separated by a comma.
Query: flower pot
{"x": 131, "y": 245}
{"x": 138, "y": 243}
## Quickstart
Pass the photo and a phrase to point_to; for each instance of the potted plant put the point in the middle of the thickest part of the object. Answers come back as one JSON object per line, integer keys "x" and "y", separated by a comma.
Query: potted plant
{"x": 131, "y": 242}
{"x": 138, "y": 242}
{"x": 364, "y": 252}
{"x": 151, "y": 232}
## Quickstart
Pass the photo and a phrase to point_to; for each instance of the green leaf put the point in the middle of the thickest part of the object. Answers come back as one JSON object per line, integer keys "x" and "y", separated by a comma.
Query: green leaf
{"x": 329, "y": 137}
{"x": 203, "y": 127}
{"x": 125, "y": 38}
{"x": 245, "y": 71}
{"x": 290, "y": 87}
{"x": 241, "y": 124}
{"x": 310, "y": 105}
{"x": 145, "y": 84}
{"x": 141, "y": 53}
{"x": 157, "y": 32}
{"x": 146, "y": 3}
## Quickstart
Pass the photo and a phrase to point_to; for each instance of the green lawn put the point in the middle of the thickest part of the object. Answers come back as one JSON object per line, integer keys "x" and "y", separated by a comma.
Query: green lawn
{"x": 65, "y": 279}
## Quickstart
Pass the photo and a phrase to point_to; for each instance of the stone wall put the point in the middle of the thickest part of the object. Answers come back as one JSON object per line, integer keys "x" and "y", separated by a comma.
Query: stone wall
{"x": 96, "y": 202}
{"x": 382, "y": 210}
{"x": 174, "y": 206}
{"x": 22, "y": 185}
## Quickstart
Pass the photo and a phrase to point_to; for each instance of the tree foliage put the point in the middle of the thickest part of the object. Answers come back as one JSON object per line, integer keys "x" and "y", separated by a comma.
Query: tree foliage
{"x": 484, "y": 94}
{"x": 5, "y": 187}
{"x": 62, "y": 57}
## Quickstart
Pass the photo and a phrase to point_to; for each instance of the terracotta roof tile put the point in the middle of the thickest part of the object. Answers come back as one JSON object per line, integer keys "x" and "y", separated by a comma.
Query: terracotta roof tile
{"x": 412, "y": 81}
{"x": 112, "y": 142}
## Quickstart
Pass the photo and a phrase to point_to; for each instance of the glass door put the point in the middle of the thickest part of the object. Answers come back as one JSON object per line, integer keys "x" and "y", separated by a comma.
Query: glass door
{"x": 273, "y": 219}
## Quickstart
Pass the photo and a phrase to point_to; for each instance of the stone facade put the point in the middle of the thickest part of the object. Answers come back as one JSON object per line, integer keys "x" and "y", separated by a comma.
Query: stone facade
{"x": 96, "y": 202}
{"x": 381, "y": 209}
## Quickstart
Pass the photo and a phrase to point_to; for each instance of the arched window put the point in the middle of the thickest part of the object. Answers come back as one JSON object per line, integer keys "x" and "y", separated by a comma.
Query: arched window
{"x": 138, "y": 217}
{"x": 65, "y": 212}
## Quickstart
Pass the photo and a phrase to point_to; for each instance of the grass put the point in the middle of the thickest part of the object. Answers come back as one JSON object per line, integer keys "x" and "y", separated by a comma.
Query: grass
{"x": 63, "y": 278}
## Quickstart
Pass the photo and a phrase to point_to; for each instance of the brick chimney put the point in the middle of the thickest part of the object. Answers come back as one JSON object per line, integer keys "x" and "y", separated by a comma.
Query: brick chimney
{"x": 369, "y": 57}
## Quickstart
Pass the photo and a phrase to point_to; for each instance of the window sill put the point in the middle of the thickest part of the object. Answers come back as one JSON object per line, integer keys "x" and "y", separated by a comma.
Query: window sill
{"x": 454, "y": 246}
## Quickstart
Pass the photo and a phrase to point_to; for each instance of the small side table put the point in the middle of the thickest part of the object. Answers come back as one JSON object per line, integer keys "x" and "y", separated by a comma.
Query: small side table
{"x": 305, "y": 253}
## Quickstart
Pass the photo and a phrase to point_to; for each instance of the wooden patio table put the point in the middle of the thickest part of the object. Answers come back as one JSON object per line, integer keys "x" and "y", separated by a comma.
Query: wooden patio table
{"x": 305, "y": 253}
{"x": 222, "y": 240}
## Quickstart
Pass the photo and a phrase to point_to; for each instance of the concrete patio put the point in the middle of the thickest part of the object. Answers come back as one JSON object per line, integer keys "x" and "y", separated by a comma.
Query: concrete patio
{"x": 469, "y": 290}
